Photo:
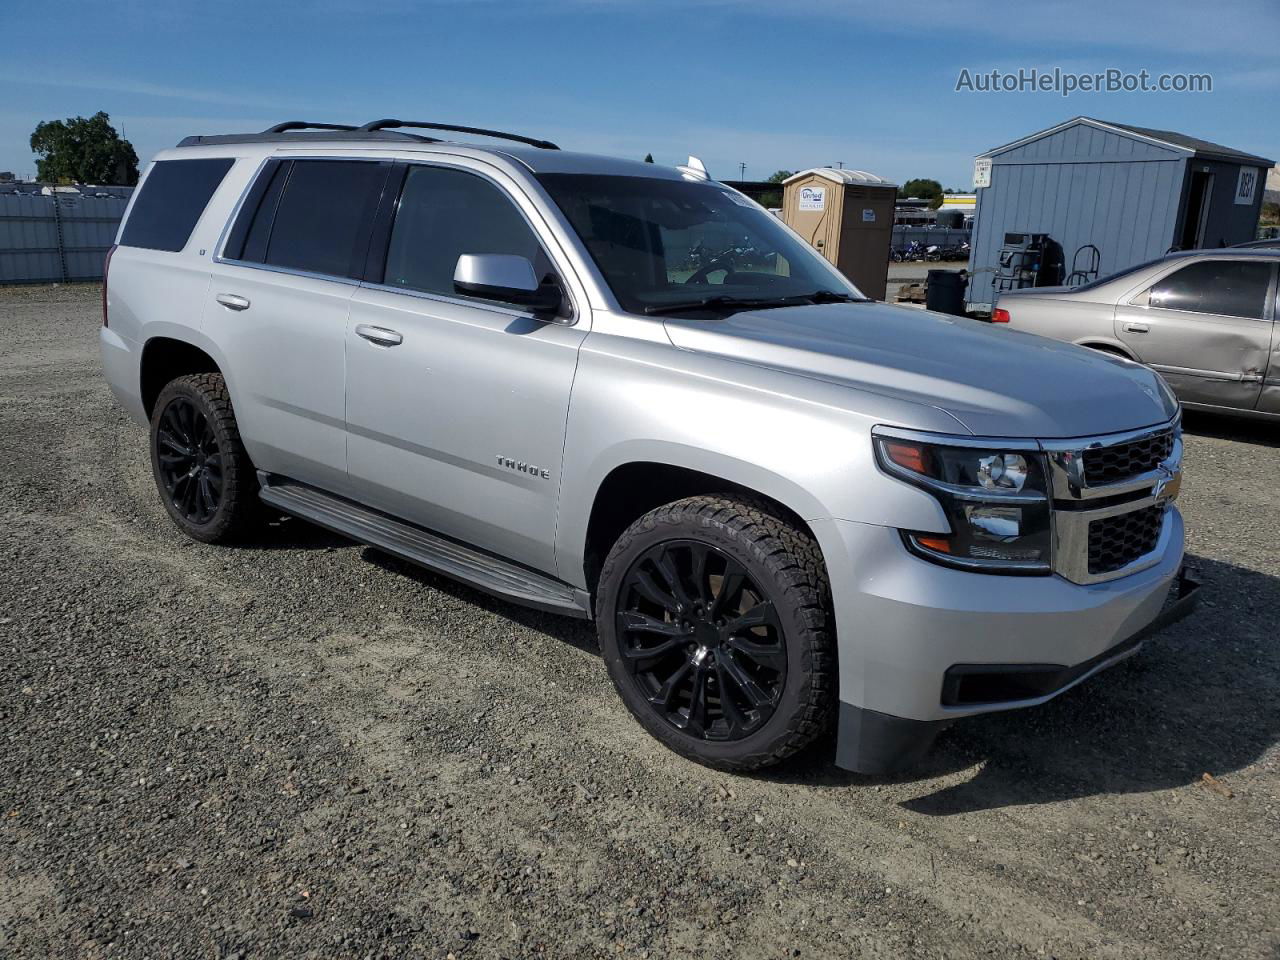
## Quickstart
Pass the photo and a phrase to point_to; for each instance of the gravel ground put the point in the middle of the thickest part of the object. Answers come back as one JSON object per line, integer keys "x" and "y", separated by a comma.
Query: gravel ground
{"x": 304, "y": 749}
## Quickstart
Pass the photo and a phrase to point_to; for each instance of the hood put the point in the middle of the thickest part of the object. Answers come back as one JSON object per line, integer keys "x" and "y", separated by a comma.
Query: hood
{"x": 997, "y": 382}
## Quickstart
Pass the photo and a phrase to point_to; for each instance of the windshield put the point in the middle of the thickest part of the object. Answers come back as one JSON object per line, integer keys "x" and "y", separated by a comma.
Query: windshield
{"x": 667, "y": 245}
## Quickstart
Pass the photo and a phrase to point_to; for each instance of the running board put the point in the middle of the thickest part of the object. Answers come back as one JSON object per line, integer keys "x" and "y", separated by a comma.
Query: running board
{"x": 481, "y": 570}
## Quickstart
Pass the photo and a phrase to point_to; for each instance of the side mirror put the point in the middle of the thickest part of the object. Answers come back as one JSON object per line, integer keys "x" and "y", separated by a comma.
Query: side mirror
{"x": 507, "y": 278}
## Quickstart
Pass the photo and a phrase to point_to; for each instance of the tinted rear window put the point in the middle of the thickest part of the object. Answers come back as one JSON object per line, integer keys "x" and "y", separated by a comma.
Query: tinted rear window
{"x": 248, "y": 237}
{"x": 323, "y": 217}
{"x": 173, "y": 197}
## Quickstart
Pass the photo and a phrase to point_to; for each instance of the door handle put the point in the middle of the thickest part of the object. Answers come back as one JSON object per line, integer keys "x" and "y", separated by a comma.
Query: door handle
{"x": 233, "y": 301}
{"x": 1136, "y": 327}
{"x": 379, "y": 335}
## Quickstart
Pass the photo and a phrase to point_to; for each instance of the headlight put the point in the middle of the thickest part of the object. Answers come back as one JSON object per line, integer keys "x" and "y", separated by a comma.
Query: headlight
{"x": 996, "y": 502}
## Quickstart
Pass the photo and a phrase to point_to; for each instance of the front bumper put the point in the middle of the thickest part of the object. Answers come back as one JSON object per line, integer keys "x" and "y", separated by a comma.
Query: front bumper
{"x": 922, "y": 645}
{"x": 1006, "y": 684}
{"x": 873, "y": 742}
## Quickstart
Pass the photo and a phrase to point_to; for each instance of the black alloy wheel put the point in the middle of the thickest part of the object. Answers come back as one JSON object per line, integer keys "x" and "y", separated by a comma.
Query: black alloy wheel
{"x": 189, "y": 461}
{"x": 204, "y": 475}
{"x": 715, "y": 624}
{"x": 702, "y": 640}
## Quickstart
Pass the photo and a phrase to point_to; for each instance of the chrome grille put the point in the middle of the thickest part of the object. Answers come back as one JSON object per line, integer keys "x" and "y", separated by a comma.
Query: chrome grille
{"x": 1120, "y": 462}
{"x": 1115, "y": 542}
{"x": 1110, "y": 500}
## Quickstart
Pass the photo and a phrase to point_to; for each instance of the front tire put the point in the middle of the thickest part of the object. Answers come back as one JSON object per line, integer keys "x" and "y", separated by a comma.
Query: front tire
{"x": 715, "y": 625}
{"x": 205, "y": 478}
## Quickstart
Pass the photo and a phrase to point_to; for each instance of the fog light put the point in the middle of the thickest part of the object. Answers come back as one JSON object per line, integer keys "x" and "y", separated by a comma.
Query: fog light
{"x": 1002, "y": 471}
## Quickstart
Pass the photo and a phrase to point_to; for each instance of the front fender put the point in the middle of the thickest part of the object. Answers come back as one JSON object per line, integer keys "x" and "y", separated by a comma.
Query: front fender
{"x": 792, "y": 439}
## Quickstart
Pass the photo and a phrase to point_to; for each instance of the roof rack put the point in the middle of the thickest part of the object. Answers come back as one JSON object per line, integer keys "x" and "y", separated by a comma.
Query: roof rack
{"x": 304, "y": 125}
{"x": 304, "y": 134}
{"x": 477, "y": 131}
{"x": 374, "y": 130}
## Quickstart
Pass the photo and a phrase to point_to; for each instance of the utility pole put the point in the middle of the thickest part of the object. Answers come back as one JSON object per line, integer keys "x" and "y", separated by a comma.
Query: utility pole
{"x": 742, "y": 171}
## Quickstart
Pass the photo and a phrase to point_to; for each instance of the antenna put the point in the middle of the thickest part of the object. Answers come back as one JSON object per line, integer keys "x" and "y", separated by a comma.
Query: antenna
{"x": 695, "y": 169}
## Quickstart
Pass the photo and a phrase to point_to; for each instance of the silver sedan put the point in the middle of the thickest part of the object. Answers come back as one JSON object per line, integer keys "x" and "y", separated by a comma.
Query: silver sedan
{"x": 1207, "y": 320}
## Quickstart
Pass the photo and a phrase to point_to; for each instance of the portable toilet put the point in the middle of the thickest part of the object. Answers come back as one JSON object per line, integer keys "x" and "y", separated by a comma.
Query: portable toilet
{"x": 847, "y": 215}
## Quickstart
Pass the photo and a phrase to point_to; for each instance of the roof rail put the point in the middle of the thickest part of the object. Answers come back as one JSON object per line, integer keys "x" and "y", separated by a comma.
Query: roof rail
{"x": 304, "y": 125}
{"x": 374, "y": 130}
{"x": 478, "y": 131}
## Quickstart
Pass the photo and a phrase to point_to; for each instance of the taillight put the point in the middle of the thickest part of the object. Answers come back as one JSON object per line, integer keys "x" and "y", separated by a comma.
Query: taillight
{"x": 999, "y": 315}
{"x": 106, "y": 267}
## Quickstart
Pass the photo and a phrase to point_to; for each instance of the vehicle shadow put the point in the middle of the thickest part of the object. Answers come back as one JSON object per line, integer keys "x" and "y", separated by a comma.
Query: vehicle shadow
{"x": 289, "y": 533}
{"x": 1199, "y": 698}
{"x": 576, "y": 633}
{"x": 1226, "y": 427}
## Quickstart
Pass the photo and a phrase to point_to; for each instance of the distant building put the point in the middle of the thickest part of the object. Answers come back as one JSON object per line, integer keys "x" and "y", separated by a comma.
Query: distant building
{"x": 1109, "y": 194}
{"x": 913, "y": 211}
{"x": 966, "y": 202}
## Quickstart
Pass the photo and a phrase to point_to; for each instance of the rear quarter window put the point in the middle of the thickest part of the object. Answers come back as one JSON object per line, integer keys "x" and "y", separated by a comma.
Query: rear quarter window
{"x": 172, "y": 198}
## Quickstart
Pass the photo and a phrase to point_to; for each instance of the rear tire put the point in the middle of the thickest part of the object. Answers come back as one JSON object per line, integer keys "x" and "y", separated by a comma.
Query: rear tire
{"x": 715, "y": 624}
{"x": 206, "y": 481}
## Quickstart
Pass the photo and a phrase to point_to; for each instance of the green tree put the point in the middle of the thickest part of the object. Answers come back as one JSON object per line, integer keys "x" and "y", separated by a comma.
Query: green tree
{"x": 80, "y": 150}
{"x": 780, "y": 175}
{"x": 648, "y": 158}
{"x": 922, "y": 188}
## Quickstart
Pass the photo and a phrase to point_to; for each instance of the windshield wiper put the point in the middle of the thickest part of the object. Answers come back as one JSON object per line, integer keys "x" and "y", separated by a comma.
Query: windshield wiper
{"x": 830, "y": 296}
{"x": 723, "y": 302}
{"x": 732, "y": 304}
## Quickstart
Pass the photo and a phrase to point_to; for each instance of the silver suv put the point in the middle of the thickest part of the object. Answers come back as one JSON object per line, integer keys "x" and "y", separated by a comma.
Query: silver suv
{"x": 627, "y": 393}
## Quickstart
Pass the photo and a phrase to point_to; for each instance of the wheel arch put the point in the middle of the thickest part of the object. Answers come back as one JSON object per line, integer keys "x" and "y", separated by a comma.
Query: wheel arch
{"x": 631, "y": 489}
{"x": 1107, "y": 346}
{"x": 166, "y": 357}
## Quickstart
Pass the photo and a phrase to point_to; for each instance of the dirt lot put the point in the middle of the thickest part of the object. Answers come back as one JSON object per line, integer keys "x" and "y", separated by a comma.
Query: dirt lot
{"x": 302, "y": 748}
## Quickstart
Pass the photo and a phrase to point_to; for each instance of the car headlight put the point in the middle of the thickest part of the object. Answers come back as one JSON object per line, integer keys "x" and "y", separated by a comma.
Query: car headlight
{"x": 996, "y": 501}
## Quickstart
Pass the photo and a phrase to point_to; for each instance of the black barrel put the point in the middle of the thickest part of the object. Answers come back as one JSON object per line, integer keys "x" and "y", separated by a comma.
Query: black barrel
{"x": 945, "y": 291}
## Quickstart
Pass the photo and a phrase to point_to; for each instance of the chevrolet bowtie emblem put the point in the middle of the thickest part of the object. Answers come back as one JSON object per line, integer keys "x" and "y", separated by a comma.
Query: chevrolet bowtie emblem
{"x": 1168, "y": 484}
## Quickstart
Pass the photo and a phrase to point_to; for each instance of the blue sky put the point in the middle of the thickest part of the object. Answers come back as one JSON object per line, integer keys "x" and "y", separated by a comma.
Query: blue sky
{"x": 870, "y": 83}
